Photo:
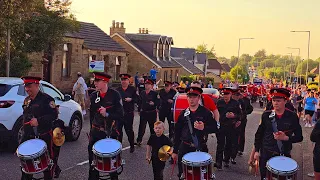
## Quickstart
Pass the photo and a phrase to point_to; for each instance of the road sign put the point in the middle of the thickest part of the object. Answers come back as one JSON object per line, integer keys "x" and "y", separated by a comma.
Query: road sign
{"x": 96, "y": 66}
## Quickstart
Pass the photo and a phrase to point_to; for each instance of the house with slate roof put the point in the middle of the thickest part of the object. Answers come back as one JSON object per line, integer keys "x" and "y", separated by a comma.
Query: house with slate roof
{"x": 225, "y": 67}
{"x": 187, "y": 58}
{"x": 214, "y": 67}
{"x": 90, "y": 43}
{"x": 147, "y": 50}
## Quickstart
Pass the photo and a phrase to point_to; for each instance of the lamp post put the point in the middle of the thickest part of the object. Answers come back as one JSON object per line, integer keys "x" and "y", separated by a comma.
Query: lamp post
{"x": 297, "y": 63}
{"x": 308, "y": 52}
{"x": 239, "y": 54}
{"x": 290, "y": 68}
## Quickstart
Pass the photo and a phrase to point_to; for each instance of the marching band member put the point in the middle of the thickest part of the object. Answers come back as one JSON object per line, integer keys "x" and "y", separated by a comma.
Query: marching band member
{"x": 230, "y": 119}
{"x": 105, "y": 111}
{"x": 129, "y": 97}
{"x": 155, "y": 142}
{"x": 57, "y": 123}
{"x": 166, "y": 101}
{"x": 39, "y": 112}
{"x": 192, "y": 126}
{"x": 147, "y": 107}
{"x": 277, "y": 131}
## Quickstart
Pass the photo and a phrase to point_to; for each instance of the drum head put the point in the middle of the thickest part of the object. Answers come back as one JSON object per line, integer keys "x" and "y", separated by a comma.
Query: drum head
{"x": 107, "y": 147}
{"x": 31, "y": 147}
{"x": 282, "y": 165}
{"x": 197, "y": 158}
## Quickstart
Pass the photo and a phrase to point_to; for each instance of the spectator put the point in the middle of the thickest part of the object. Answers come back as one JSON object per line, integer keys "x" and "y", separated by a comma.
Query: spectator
{"x": 315, "y": 137}
{"x": 140, "y": 87}
{"x": 144, "y": 77}
{"x": 79, "y": 92}
{"x": 91, "y": 86}
{"x": 155, "y": 86}
{"x": 187, "y": 84}
{"x": 309, "y": 108}
{"x": 136, "y": 79}
{"x": 153, "y": 74}
{"x": 210, "y": 85}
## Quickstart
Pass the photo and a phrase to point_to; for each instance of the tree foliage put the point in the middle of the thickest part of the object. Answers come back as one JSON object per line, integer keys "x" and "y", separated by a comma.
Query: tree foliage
{"x": 203, "y": 48}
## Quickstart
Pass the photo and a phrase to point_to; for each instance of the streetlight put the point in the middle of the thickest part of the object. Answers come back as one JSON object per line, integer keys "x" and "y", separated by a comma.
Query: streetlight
{"x": 301, "y": 60}
{"x": 308, "y": 52}
{"x": 290, "y": 68}
{"x": 239, "y": 54}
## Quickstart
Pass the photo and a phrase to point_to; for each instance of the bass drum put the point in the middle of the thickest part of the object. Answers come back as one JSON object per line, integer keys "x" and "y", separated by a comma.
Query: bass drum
{"x": 180, "y": 104}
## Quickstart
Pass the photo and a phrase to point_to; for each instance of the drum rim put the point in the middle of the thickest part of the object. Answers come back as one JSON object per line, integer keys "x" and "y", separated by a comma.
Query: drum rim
{"x": 107, "y": 171}
{"x": 197, "y": 164}
{"x": 281, "y": 173}
{"x": 36, "y": 171}
{"x": 35, "y": 155}
{"x": 110, "y": 154}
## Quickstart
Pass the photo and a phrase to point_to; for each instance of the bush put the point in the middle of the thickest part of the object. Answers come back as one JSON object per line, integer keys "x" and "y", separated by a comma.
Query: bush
{"x": 187, "y": 78}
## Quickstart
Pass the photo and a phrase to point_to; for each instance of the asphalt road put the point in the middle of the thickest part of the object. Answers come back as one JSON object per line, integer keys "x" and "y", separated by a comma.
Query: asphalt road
{"x": 74, "y": 158}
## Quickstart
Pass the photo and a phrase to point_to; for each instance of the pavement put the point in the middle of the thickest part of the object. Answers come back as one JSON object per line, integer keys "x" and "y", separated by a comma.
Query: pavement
{"x": 74, "y": 157}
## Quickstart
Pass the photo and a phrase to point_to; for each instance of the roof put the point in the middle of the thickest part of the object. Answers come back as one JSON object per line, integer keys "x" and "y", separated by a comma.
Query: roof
{"x": 187, "y": 53}
{"x": 201, "y": 58}
{"x": 187, "y": 65}
{"x": 95, "y": 38}
{"x": 214, "y": 64}
{"x": 144, "y": 37}
{"x": 314, "y": 70}
{"x": 226, "y": 67}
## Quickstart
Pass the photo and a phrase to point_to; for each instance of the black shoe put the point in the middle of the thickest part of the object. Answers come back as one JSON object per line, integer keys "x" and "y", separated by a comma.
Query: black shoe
{"x": 218, "y": 166}
{"x": 240, "y": 153}
{"x": 57, "y": 173}
{"x": 138, "y": 143}
{"x": 233, "y": 161}
{"x": 132, "y": 149}
{"x": 226, "y": 165}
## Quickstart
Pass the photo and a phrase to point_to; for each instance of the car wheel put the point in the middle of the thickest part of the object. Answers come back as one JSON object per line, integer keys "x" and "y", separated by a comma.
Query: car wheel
{"x": 74, "y": 129}
{"x": 17, "y": 133}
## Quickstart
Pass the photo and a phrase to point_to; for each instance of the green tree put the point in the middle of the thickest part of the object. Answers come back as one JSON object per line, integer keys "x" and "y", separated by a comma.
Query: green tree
{"x": 242, "y": 72}
{"x": 233, "y": 61}
{"x": 203, "y": 48}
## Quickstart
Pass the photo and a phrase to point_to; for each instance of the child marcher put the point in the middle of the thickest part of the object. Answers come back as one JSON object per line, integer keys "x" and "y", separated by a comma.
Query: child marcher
{"x": 155, "y": 142}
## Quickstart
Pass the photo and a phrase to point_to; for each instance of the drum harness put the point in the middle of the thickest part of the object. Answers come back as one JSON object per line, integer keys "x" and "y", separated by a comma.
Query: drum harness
{"x": 275, "y": 129}
{"x": 193, "y": 135}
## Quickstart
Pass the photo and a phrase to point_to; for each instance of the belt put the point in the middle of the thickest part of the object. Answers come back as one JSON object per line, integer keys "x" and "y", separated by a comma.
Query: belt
{"x": 188, "y": 143}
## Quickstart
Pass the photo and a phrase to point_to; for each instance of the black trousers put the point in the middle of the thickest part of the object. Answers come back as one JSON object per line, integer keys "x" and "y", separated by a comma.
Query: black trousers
{"x": 157, "y": 167}
{"x": 96, "y": 135}
{"x": 265, "y": 155}
{"x": 48, "y": 174}
{"x": 167, "y": 113}
{"x": 127, "y": 123}
{"x": 56, "y": 153}
{"x": 146, "y": 117}
{"x": 242, "y": 134}
{"x": 183, "y": 149}
{"x": 227, "y": 144}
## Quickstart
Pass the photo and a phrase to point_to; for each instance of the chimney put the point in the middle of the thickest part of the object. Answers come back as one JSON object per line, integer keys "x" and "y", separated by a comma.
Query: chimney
{"x": 147, "y": 31}
{"x": 142, "y": 31}
{"x": 139, "y": 30}
{"x": 115, "y": 28}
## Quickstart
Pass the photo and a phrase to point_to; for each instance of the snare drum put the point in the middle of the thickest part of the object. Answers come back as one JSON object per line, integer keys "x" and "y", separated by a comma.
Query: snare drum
{"x": 197, "y": 166}
{"x": 34, "y": 156}
{"x": 181, "y": 103}
{"x": 282, "y": 168}
{"x": 107, "y": 155}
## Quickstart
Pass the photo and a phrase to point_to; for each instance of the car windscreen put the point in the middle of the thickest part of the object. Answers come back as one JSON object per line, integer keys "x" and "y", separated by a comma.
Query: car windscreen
{"x": 4, "y": 88}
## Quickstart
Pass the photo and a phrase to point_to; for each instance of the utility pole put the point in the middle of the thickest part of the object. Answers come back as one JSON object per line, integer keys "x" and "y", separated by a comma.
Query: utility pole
{"x": 8, "y": 41}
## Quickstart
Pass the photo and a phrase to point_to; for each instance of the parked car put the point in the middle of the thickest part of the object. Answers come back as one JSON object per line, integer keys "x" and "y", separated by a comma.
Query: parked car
{"x": 12, "y": 95}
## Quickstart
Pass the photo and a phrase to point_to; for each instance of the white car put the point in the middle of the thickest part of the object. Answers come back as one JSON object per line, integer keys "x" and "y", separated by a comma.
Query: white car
{"x": 12, "y": 95}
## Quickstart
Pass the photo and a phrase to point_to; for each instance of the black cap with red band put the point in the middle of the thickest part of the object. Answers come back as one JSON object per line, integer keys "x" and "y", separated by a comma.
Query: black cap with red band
{"x": 193, "y": 90}
{"x": 124, "y": 76}
{"x": 30, "y": 80}
{"x": 167, "y": 83}
{"x": 149, "y": 81}
{"x": 226, "y": 90}
{"x": 280, "y": 93}
{"x": 101, "y": 76}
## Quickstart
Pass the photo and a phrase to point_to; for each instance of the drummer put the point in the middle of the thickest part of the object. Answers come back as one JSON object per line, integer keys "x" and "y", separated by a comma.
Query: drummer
{"x": 202, "y": 124}
{"x": 105, "y": 111}
{"x": 269, "y": 143}
{"x": 155, "y": 142}
{"x": 39, "y": 112}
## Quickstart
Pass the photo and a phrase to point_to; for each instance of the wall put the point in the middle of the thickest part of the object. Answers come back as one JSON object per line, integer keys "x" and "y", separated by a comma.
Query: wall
{"x": 215, "y": 71}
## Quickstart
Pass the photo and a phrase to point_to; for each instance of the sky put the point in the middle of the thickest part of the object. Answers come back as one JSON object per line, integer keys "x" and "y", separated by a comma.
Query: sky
{"x": 218, "y": 23}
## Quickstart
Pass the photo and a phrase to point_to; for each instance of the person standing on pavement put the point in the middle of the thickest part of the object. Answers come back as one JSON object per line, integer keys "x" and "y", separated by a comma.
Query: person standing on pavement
{"x": 199, "y": 119}
{"x": 230, "y": 119}
{"x": 106, "y": 111}
{"x": 148, "y": 103}
{"x": 39, "y": 112}
{"x": 166, "y": 101}
{"x": 57, "y": 123}
{"x": 153, "y": 74}
{"x": 129, "y": 98}
{"x": 310, "y": 108}
{"x": 91, "y": 86}
{"x": 141, "y": 86}
{"x": 278, "y": 129}
{"x": 136, "y": 79}
{"x": 79, "y": 92}
{"x": 315, "y": 137}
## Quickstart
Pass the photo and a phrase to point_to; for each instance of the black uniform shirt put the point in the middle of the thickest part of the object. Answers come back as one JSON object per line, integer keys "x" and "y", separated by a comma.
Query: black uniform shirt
{"x": 288, "y": 123}
{"x": 164, "y": 97}
{"x": 141, "y": 87}
{"x": 41, "y": 107}
{"x": 248, "y": 106}
{"x": 144, "y": 100}
{"x": 112, "y": 102}
{"x": 157, "y": 142}
{"x": 182, "y": 132}
{"x": 130, "y": 92}
{"x": 232, "y": 106}
{"x": 315, "y": 137}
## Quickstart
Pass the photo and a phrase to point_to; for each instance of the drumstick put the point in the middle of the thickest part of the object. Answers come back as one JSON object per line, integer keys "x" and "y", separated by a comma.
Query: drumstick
{"x": 173, "y": 165}
{"x": 257, "y": 168}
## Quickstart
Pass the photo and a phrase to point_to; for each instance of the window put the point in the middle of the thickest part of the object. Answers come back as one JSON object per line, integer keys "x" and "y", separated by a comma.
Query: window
{"x": 51, "y": 92}
{"x": 160, "y": 50}
{"x": 177, "y": 75}
{"x": 154, "y": 50}
{"x": 171, "y": 73}
{"x": 4, "y": 88}
{"x": 66, "y": 60}
{"x": 166, "y": 50}
{"x": 94, "y": 57}
{"x": 165, "y": 76}
{"x": 21, "y": 90}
